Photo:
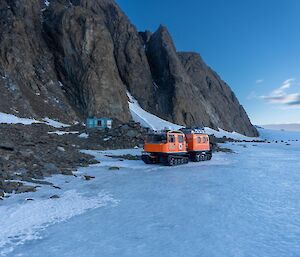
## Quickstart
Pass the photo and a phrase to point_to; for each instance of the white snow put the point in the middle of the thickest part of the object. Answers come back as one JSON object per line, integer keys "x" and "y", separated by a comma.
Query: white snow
{"x": 47, "y": 3}
{"x": 12, "y": 119}
{"x": 55, "y": 124}
{"x": 61, "y": 133}
{"x": 151, "y": 121}
{"x": 83, "y": 135}
{"x": 147, "y": 119}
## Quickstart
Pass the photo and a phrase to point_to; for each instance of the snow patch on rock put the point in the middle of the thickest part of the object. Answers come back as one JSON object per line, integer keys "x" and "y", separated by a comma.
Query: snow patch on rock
{"x": 55, "y": 124}
{"x": 151, "y": 121}
{"x": 6, "y": 118}
{"x": 12, "y": 119}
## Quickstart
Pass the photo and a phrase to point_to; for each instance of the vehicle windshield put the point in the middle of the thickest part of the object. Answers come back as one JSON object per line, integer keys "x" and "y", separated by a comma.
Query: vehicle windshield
{"x": 156, "y": 138}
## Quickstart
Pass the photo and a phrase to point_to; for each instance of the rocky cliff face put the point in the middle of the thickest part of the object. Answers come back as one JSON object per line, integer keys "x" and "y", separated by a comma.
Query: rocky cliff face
{"x": 72, "y": 59}
{"x": 28, "y": 81}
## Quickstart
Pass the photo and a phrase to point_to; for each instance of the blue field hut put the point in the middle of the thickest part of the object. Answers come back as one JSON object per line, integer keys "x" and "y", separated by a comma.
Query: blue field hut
{"x": 99, "y": 123}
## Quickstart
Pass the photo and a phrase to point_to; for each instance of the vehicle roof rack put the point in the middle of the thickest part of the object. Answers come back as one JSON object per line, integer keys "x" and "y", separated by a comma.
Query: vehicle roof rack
{"x": 194, "y": 130}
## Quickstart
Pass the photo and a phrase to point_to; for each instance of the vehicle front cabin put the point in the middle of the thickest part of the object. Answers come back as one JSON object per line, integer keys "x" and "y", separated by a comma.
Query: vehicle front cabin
{"x": 166, "y": 142}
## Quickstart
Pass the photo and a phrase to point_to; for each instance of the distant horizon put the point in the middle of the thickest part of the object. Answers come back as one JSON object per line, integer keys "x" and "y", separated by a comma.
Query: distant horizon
{"x": 285, "y": 127}
{"x": 254, "y": 47}
{"x": 295, "y": 123}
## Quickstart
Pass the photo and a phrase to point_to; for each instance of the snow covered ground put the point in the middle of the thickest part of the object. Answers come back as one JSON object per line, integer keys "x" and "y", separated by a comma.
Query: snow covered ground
{"x": 13, "y": 119}
{"x": 241, "y": 204}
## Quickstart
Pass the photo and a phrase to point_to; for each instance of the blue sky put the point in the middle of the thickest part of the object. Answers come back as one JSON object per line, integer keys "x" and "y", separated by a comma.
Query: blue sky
{"x": 253, "y": 45}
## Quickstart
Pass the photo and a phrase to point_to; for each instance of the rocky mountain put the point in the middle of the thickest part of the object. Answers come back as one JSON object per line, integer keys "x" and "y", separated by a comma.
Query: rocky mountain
{"x": 69, "y": 59}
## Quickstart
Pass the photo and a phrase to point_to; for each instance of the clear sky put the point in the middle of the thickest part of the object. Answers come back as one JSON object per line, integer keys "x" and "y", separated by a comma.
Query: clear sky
{"x": 254, "y": 45}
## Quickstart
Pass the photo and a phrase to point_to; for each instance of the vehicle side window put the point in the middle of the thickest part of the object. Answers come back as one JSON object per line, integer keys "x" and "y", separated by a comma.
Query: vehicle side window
{"x": 180, "y": 139}
{"x": 171, "y": 138}
{"x": 204, "y": 139}
{"x": 199, "y": 140}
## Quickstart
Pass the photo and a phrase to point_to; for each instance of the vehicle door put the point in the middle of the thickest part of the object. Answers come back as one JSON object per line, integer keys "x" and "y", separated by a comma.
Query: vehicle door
{"x": 172, "y": 143}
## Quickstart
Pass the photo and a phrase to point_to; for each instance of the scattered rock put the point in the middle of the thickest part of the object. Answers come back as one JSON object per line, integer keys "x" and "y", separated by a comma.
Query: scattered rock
{"x": 7, "y": 146}
{"x": 34, "y": 181}
{"x": 50, "y": 168}
{"x": 114, "y": 168}
{"x": 10, "y": 186}
{"x": 56, "y": 187}
{"x": 25, "y": 189}
{"x": 126, "y": 157}
{"x": 87, "y": 177}
{"x": 54, "y": 197}
{"x": 67, "y": 173}
{"x": 132, "y": 133}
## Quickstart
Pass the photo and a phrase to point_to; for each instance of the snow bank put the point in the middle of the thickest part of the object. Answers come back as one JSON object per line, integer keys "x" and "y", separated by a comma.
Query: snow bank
{"x": 83, "y": 135}
{"x": 23, "y": 222}
{"x": 12, "y": 119}
{"x": 55, "y": 124}
{"x": 149, "y": 120}
{"x": 61, "y": 133}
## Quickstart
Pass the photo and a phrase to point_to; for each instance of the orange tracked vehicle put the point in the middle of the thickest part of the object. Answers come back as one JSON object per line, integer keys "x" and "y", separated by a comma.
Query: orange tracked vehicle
{"x": 176, "y": 147}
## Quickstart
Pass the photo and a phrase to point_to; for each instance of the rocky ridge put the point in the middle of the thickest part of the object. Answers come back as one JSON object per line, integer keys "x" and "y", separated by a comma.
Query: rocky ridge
{"x": 71, "y": 59}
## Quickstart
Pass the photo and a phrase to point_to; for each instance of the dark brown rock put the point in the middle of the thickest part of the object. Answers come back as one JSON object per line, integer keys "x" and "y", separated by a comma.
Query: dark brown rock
{"x": 29, "y": 85}
{"x": 222, "y": 107}
{"x": 189, "y": 93}
{"x": 84, "y": 58}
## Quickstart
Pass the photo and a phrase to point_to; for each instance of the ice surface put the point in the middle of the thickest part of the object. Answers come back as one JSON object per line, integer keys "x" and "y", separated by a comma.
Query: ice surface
{"x": 25, "y": 221}
{"x": 270, "y": 134}
{"x": 241, "y": 204}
